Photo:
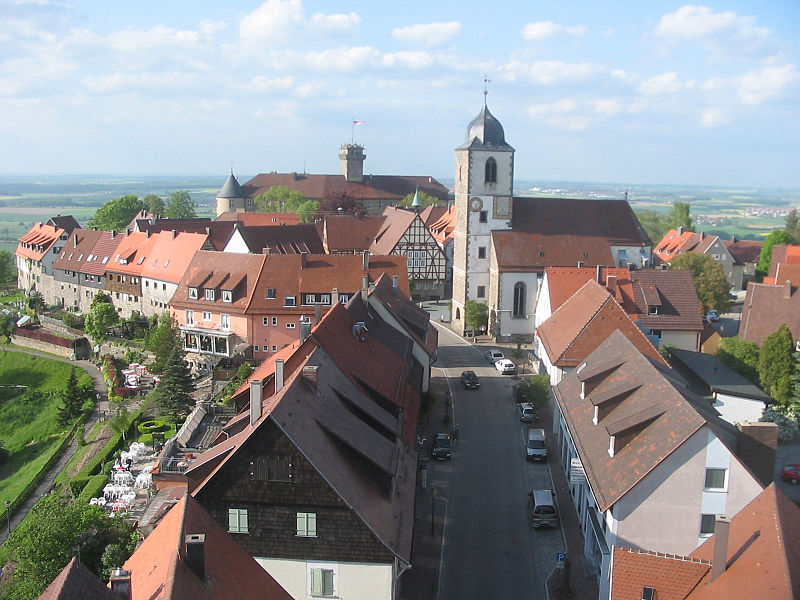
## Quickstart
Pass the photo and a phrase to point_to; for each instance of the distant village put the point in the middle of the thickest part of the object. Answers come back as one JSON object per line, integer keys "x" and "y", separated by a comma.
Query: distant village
{"x": 309, "y": 483}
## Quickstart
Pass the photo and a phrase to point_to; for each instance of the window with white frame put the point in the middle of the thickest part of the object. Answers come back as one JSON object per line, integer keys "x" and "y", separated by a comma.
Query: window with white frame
{"x": 255, "y": 349}
{"x": 193, "y": 293}
{"x": 307, "y": 524}
{"x": 270, "y": 293}
{"x": 707, "y": 523}
{"x": 225, "y": 322}
{"x": 237, "y": 520}
{"x": 289, "y": 301}
{"x": 210, "y": 294}
{"x": 322, "y": 581}
{"x": 227, "y": 296}
{"x": 206, "y": 316}
{"x": 190, "y": 317}
{"x": 290, "y": 326}
{"x": 716, "y": 479}
{"x": 274, "y": 321}
{"x": 266, "y": 321}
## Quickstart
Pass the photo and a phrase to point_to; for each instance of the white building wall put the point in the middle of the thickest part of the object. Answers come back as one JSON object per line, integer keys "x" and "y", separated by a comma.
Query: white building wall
{"x": 633, "y": 255}
{"x": 236, "y": 244}
{"x": 507, "y": 324}
{"x": 156, "y": 295}
{"x": 352, "y": 581}
{"x": 682, "y": 339}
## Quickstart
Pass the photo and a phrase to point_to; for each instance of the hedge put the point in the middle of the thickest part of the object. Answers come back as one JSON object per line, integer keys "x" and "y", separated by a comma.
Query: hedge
{"x": 95, "y": 465}
{"x": 77, "y": 484}
{"x": 153, "y": 425}
{"x": 93, "y": 488}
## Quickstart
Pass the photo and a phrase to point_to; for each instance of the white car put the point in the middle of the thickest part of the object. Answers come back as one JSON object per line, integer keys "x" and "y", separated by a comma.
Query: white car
{"x": 506, "y": 367}
{"x": 493, "y": 356}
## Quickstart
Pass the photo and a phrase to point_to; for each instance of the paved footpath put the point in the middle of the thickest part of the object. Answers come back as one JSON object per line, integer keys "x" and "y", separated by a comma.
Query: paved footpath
{"x": 47, "y": 483}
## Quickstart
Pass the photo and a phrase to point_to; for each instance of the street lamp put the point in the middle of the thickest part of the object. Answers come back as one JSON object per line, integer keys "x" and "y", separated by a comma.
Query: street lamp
{"x": 8, "y": 516}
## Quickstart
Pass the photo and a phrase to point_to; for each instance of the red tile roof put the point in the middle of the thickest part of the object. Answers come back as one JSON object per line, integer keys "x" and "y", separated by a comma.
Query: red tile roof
{"x": 206, "y": 264}
{"x": 583, "y": 322}
{"x": 37, "y": 241}
{"x": 783, "y": 254}
{"x": 132, "y": 252}
{"x": 563, "y": 282}
{"x": 260, "y": 218}
{"x": 101, "y": 253}
{"x": 171, "y": 255}
{"x": 76, "y": 582}
{"x": 77, "y": 249}
{"x": 443, "y": 225}
{"x": 673, "y": 577}
{"x": 763, "y": 558}
{"x": 350, "y": 234}
{"x": 678, "y": 242}
{"x": 396, "y": 224}
{"x": 159, "y": 567}
{"x": 766, "y": 307}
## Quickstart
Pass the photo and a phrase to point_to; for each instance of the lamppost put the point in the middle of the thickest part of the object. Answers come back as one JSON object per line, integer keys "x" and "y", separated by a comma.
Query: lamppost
{"x": 8, "y": 516}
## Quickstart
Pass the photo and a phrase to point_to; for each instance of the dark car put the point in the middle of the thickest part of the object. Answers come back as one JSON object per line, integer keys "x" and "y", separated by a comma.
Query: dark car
{"x": 441, "y": 447}
{"x": 791, "y": 473}
{"x": 469, "y": 380}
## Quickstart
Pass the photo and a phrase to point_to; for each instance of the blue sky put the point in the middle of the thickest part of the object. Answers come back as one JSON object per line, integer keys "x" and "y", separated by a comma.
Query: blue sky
{"x": 627, "y": 92}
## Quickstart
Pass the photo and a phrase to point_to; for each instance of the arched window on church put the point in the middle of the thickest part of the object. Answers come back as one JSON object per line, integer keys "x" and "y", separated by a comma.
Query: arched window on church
{"x": 519, "y": 301}
{"x": 491, "y": 170}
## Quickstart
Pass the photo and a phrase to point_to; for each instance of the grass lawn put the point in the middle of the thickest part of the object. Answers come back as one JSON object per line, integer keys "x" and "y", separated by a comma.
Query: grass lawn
{"x": 29, "y": 428}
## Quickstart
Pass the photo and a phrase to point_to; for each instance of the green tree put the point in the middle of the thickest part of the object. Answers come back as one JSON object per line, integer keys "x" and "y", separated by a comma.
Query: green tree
{"x": 102, "y": 315}
{"x": 8, "y": 269}
{"x": 155, "y": 205}
{"x": 741, "y": 356}
{"x": 656, "y": 224}
{"x": 792, "y": 226}
{"x": 778, "y": 236}
{"x": 121, "y": 422}
{"x": 713, "y": 289}
{"x": 281, "y": 199}
{"x": 35, "y": 301}
{"x": 794, "y": 388}
{"x": 6, "y": 329}
{"x": 536, "y": 390}
{"x": 72, "y": 399}
{"x": 164, "y": 338}
{"x": 180, "y": 206}
{"x": 680, "y": 216}
{"x": 424, "y": 200}
{"x": 116, "y": 214}
{"x": 476, "y": 314}
{"x": 173, "y": 394}
{"x": 776, "y": 364}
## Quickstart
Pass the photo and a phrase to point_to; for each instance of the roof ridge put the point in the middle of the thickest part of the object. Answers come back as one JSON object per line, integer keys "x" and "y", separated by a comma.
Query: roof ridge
{"x": 655, "y": 553}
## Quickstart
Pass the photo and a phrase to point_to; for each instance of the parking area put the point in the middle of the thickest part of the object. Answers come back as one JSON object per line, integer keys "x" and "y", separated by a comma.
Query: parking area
{"x": 788, "y": 453}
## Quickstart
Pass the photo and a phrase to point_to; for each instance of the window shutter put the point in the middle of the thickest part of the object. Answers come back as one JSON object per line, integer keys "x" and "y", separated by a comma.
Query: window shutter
{"x": 311, "y": 524}
{"x": 243, "y": 524}
{"x": 316, "y": 582}
{"x": 327, "y": 582}
{"x": 233, "y": 520}
{"x": 301, "y": 523}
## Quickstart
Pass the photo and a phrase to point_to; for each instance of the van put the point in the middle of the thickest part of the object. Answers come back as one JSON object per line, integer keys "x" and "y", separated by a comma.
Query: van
{"x": 544, "y": 512}
{"x": 535, "y": 444}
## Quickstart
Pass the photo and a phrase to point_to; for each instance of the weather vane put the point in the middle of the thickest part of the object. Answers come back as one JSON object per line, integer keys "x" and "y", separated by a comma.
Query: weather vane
{"x": 486, "y": 82}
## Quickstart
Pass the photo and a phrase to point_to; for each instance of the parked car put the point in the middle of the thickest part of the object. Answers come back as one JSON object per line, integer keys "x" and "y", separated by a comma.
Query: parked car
{"x": 712, "y": 315}
{"x": 544, "y": 511}
{"x": 527, "y": 413}
{"x": 535, "y": 445}
{"x": 506, "y": 367}
{"x": 469, "y": 380}
{"x": 493, "y": 356}
{"x": 791, "y": 473}
{"x": 441, "y": 447}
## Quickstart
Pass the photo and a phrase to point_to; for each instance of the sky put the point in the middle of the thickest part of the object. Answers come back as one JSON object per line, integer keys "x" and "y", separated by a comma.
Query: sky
{"x": 619, "y": 91}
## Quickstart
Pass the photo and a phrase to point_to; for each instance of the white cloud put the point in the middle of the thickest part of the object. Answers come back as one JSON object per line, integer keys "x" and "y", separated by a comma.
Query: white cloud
{"x": 131, "y": 40}
{"x": 607, "y": 107}
{"x": 666, "y": 83}
{"x": 268, "y": 84}
{"x": 334, "y": 24}
{"x": 411, "y": 60}
{"x": 430, "y": 34}
{"x": 549, "y": 71}
{"x": 342, "y": 59}
{"x": 547, "y": 29}
{"x": 714, "y": 117}
{"x": 209, "y": 27}
{"x": 273, "y": 20}
{"x": 758, "y": 86}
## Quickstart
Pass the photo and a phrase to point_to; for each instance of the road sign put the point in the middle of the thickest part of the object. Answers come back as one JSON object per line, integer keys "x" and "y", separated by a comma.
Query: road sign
{"x": 561, "y": 557}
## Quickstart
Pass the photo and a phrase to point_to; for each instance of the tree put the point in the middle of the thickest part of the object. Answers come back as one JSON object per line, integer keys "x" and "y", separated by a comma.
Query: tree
{"x": 8, "y": 269}
{"x": 173, "y": 394}
{"x": 536, "y": 390}
{"x": 776, "y": 364}
{"x": 116, "y": 214}
{"x": 794, "y": 398}
{"x": 424, "y": 199}
{"x": 793, "y": 226}
{"x": 280, "y": 199}
{"x": 6, "y": 329}
{"x": 72, "y": 399}
{"x": 180, "y": 206}
{"x": 164, "y": 338}
{"x": 778, "y": 236}
{"x": 102, "y": 315}
{"x": 341, "y": 200}
{"x": 655, "y": 224}
{"x": 155, "y": 205}
{"x": 713, "y": 289}
{"x": 680, "y": 216}
{"x": 741, "y": 356}
{"x": 35, "y": 301}
{"x": 476, "y": 314}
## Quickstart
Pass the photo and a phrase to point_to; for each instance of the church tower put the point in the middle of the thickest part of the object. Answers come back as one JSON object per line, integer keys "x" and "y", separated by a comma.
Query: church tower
{"x": 231, "y": 197}
{"x": 484, "y": 185}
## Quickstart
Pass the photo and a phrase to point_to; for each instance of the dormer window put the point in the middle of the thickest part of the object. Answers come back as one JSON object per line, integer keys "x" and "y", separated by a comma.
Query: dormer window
{"x": 653, "y": 310}
{"x": 193, "y": 293}
{"x": 290, "y": 301}
{"x": 210, "y": 294}
{"x": 227, "y": 296}
{"x": 270, "y": 293}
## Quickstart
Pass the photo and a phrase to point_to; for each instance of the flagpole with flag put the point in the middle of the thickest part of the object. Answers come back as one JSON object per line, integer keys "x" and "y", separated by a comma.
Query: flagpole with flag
{"x": 352, "y": 130}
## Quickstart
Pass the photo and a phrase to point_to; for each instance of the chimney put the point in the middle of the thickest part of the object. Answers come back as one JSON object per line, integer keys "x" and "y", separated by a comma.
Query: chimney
{"x": 265, "y": 251}
{"x": 365, "y": 260}
{"x": 311, "y": 375}
{"x": 75, "y": 237}
{"x": 787, "y": 289}
{"x": 334, "y": 296}
{"x": 364, "y": 286}
{"x": 147, "y": 233}
{"x": 702, "y": 235}
{"x": 121, "y": 583}
{"x": 278, "y": 375}
{"x": 303, "y": 258}
{"x": 174, "y": 233}
{"x": 113, "y": 233}
{"x": 580, "y": 263}
{"x": 255, "y": 400}
{"x": 611, "y": 284}
{"x": 599, "y": 275}
{"x": 318, "y": 309}
{"x": 733, "y": 239}
{"x": 395, "y": 281}
{"x": 127, "y": 231}
{"x": 720, "y": 558}
{"x": 680, "y": 229}
{"x": 305, "y": 330}
{"x": 196, "y": 555}
{"x": 758, "y": 442}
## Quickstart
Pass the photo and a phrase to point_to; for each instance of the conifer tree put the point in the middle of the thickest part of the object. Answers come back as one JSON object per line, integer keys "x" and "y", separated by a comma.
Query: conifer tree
{"x": 173, "y": 395}
{"x": 775, "y": 364}
{"x": 72, "y": 398}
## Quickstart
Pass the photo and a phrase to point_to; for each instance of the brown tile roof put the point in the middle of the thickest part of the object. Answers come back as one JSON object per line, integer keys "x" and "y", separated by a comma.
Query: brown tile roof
{"x": 432, "y": 213}
{"x": 678, "y": 305}
{"x": 37, "y": 241}
{"x": 766, "y": 307}
{"x": 673, "y": 577}
{"x": 763, "y": 558}
{"x": 155, "y": 225}
{"x": 260, "y": 218}
{"x": 132, "y": 252}
{"x": 159, "y": 567}
{"x": 285, "y": 239}
{"x": 76, "y": 582}
{"x": 350, "y": 234}
{"x": 783, "y": 254}
{"x": 76, "y": 249}
{"x": 205, "y": 264}
{"x": 635, "y": 397}
{"x": 583, "y": 322}
{"x": 785, "y": 272}
{"x": 563, "y": 282}
{"x": 101, "y": 253}
{"x": 317, "y": 187}
{"x": 443, "y": 226}
{"x": 396, "y": 223}
{"x": 170, "y": 256}
{"x": 744, "y": 251}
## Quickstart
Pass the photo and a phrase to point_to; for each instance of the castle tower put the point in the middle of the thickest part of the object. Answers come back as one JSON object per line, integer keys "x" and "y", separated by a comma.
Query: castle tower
{"x": 484, "y": 185}
{"x": 352, "y": 157}
{"x": 231, "y": 197}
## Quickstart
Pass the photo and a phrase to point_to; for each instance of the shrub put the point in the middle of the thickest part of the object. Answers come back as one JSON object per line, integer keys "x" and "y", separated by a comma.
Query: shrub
{"x": 77, "y": 484}
{"x": 124, "y": 392}
{"x": 93, "y": 488}
{"x": 788, "y": 429}
{"x": 153, "y": 425}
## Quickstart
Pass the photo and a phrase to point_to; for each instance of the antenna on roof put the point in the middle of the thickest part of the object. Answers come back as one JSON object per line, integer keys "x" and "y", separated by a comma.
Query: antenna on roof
{"x": 626, "y": 192}
{"x": 486, "y": 82}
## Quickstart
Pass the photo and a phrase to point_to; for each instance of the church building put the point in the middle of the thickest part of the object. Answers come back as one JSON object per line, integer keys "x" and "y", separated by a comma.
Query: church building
{"x": 503, "y": 243}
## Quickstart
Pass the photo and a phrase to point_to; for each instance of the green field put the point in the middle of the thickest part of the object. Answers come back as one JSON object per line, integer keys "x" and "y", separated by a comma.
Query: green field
{"x": 29, "y": 427}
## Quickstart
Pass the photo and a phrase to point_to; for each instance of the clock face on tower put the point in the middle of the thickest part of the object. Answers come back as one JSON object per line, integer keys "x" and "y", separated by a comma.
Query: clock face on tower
{"x": 476, "y": 204}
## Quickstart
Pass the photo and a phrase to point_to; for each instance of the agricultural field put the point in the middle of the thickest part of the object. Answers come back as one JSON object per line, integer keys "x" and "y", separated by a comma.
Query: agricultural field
{"x": 29, "y": 427}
